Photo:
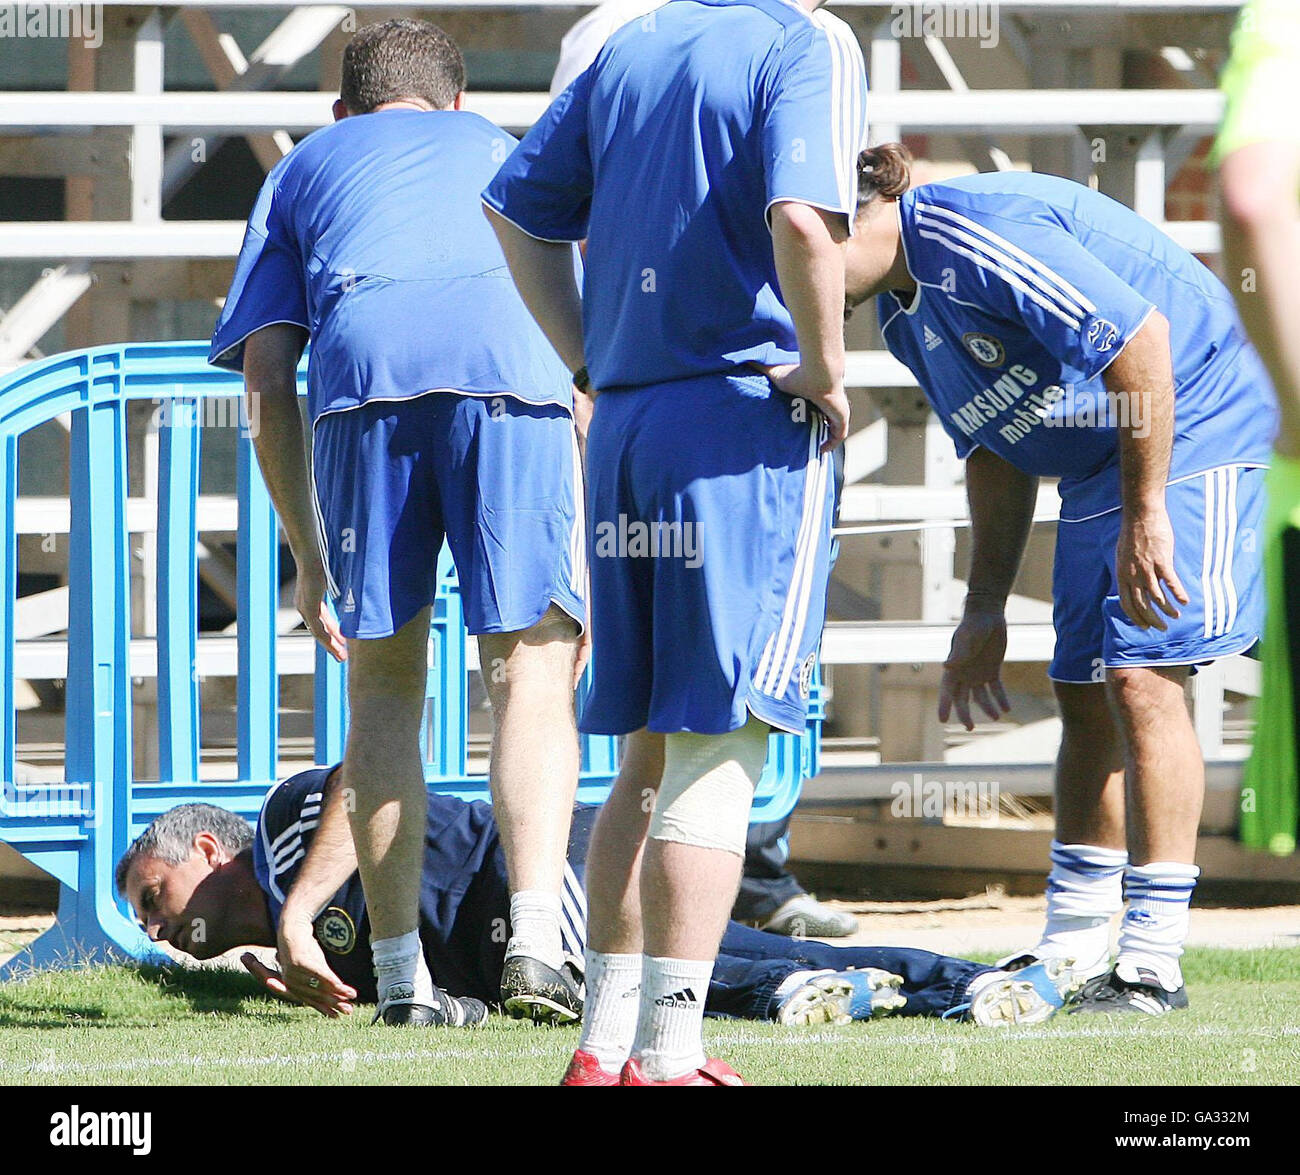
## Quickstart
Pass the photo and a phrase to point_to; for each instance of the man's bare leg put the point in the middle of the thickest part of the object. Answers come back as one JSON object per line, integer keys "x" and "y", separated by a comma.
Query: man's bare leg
{"x": 614, "y": 934}
{"x": 386, "y": 799}
{"x": 1088, "y": 855}
{"x": 534, "y": 776}
{"x": 1165, "y": 771}
{"x": 689, "y": 877}
{"x": 1089, "y": 769}
{"x": 617, "y": 845}
{"x": 1165, "y": 790}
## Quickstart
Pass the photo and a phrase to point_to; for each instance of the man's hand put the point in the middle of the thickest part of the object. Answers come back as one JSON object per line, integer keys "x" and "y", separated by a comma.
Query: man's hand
{"x": 273, "y": 981}
{"x": 824, "y": 393}
{"x": 809, "y": 246}
{"x": 305, "y": 977}
{"x": 309, "y": 599}
{"x": 1144, "y": 568}
{"x": 1143, "y": 375}
{"x": 974, "y": 667}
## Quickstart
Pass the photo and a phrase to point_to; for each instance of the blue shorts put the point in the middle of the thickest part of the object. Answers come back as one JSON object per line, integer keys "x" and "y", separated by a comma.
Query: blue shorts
{"x": 709, "y": 527}
{"x": 1218, "y": 564}
{"x": 498, "y": 478}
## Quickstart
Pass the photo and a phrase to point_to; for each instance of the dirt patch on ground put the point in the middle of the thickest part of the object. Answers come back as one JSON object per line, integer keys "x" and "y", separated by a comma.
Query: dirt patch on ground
{"x": 996, "y": 923}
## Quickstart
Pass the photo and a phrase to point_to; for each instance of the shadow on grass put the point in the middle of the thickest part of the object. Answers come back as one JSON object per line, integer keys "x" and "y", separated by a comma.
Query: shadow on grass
{"x": 59, "y": 1015}
{"x": 112, "y": 995}
{"x": 211, "y": 990}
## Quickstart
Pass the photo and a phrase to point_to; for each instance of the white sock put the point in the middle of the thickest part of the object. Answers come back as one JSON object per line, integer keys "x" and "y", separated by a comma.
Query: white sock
{"x": 400, "y": 970}
{"x": 609, "y": 1013}
{"x": 1083, "y": 895}
{"x": 1154, "y": 928}
{"x": 670, "y": 1027}
{"x": 535, "y": 926}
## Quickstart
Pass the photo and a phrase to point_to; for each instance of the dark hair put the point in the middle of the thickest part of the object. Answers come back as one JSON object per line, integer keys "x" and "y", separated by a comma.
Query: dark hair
{"x": 398, "y": 59}
{"x": 883, "y": 171}
{"x": 170, "y": 837}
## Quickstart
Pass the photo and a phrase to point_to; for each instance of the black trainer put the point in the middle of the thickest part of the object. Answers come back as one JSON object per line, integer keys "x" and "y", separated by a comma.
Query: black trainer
{"x": 531, "y": 990}
{"x": 1110, "y": 993}
{"x": 447, "y": 1012}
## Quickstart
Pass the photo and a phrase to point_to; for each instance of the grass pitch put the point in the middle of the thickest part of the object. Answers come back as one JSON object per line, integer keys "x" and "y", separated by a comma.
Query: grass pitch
{"x": 125, "y": 1026}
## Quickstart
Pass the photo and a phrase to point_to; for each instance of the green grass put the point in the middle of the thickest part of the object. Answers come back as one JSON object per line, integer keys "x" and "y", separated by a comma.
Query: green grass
{"x": 120, "y": 1026}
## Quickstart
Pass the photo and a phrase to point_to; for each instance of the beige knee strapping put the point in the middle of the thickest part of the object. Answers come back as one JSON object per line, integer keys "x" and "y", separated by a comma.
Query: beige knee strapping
{"x": 708, "y": 787}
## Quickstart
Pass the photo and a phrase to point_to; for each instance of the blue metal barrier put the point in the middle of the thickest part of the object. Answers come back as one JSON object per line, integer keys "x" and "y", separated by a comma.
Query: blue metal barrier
{"x": 77, "y": 829}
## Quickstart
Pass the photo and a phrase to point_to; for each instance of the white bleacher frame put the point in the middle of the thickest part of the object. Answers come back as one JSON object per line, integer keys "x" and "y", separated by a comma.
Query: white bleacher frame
{"x": 1162, "y": 122}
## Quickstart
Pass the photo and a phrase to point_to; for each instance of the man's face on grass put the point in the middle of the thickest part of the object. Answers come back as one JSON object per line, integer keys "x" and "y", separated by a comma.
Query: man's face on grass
{"x": 182, "y": 904}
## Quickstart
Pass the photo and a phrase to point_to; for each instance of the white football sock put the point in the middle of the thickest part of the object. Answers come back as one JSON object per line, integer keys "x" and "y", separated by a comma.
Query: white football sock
{"x": 670, "y": 1027}
{"x": 610, "y": 1011}
{"x": 535, "y": 927}
{"x": 400, "y": 970}
{"x": 1083, "y": 894}
{"x": 1155, "y": 923}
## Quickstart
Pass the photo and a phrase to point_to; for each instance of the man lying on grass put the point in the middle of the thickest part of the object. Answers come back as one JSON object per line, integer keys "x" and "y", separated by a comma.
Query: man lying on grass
{"x": 201, "y": 879}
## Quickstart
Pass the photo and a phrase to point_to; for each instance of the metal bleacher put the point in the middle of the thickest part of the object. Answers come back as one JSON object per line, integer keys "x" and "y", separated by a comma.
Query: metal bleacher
{"x": 1119, "y": 93}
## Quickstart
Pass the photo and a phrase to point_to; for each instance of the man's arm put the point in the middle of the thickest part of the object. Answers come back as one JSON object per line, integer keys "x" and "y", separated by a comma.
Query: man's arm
{"x": 809, "y": 244}
{"x": 270, "y": 381}
{"x": 1261, "y": 237}
{"x": 1002, "y": 501}
{"x": 1141, "y": 380}
{"x": 330, "y": 861}
{"x": 543, "y": 274}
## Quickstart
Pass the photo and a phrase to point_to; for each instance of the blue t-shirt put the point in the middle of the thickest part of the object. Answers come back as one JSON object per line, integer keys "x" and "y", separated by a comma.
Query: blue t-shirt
{"x": 667, "y": 154}
{"x": 370, "y": 235}
{"x": 1028, "y": 286}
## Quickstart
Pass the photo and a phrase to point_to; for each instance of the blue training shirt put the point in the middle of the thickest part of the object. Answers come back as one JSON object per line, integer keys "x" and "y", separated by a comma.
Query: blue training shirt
{"x": 667, "y": 154}
{"x": 369, "y": 234}
{"x": 1028, "y": 286}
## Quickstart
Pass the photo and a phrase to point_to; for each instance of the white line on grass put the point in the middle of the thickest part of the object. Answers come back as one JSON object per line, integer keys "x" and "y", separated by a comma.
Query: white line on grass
{"x": 1032, "y": 1032}
{"x": 346, "y": 1059}
{"x": 349, "y": 1058}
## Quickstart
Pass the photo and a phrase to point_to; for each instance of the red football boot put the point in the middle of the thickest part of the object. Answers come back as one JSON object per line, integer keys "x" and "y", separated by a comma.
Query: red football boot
{"x": 584, "y": 1069}
{"x": 712, "y": 1072}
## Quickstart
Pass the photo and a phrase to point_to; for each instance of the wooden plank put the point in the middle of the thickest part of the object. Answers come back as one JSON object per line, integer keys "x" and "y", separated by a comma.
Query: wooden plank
{"x": 917, "y": 844}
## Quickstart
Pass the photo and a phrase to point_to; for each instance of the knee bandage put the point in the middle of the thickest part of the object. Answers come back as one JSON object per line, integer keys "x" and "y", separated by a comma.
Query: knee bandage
{"x": 708, "y": 787}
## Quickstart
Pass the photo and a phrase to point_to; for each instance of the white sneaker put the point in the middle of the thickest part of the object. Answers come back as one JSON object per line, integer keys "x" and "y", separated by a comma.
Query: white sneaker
{"x": 1028, "y": 995}
{"x": 840, "y": 997}
{"x": 803, "y": 916}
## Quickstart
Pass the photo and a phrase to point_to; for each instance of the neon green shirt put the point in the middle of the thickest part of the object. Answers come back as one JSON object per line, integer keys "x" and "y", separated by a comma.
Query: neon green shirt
{"x": 1262, "y": 80}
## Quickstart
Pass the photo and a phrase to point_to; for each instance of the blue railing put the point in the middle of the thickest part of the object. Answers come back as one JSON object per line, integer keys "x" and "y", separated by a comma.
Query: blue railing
{"x": 77, "y": 829}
